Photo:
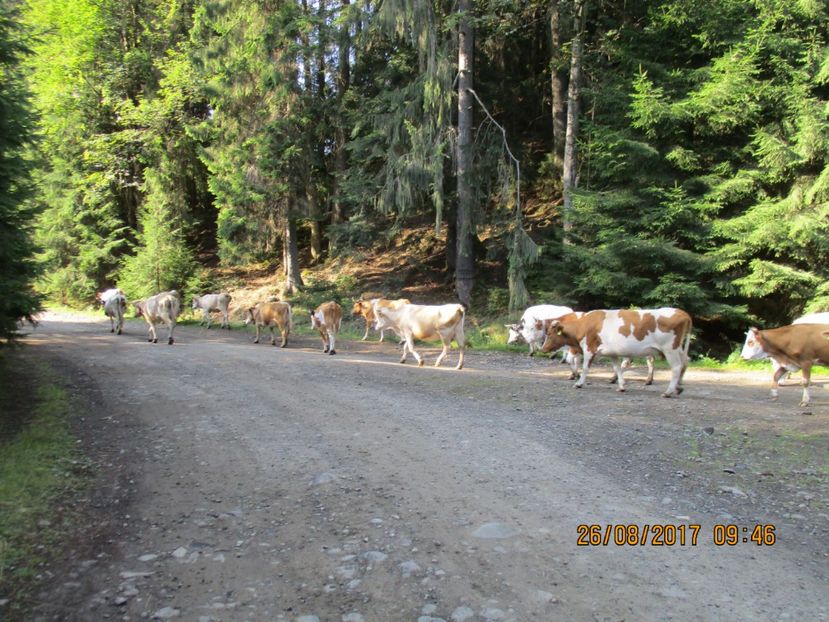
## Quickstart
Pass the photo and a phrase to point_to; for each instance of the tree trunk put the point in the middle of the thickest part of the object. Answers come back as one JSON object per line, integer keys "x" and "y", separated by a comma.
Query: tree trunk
{"x": 465, "y": 265}
{"x": 558, "y": 84}
{"x": 570, "y": 155}
{"x": 343, "y": 83}
{"x": 293, "y": 278}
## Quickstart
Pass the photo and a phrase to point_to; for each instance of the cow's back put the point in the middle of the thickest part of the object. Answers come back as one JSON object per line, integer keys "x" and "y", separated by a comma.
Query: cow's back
{"x": 798, "y": 343}
{"x": 637, "y": 332}
{"x": 274, "y": 313}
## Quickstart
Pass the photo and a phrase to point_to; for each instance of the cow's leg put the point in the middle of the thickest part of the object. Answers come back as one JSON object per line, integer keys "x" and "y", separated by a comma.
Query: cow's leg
{"x": 207, "y": 318}
{"x": 775, "y": 380}
{"x": 332, "y": 341}
{"x": 532, "y": 348}
{"x": 405, "y": 351}
{"x": 460, "y": 339}
{"x": 258, "y": 328}
{"x": 807, "y": 378}
{"x": 619, "y": 373}
{"x": 273, "y": 335}
{"x": 284, "y": 332}
{"x": 368, "y": 326}
{"x": 588, "y": 358}
{"x": 120, "y": 323}
{"x": 446, "y": 343}
{"x": 676, "y": 360}
{"x": 649, "y": 380}
{"x": 172, "y": 327}
{"x": 226, "y": 319}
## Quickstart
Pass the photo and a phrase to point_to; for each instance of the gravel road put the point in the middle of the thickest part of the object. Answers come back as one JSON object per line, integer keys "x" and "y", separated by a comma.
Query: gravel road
{"x": 247, "y": 482}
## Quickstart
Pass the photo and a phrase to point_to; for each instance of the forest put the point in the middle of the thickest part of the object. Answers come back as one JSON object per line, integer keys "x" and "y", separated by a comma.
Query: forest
{"x": 596, "y": 153}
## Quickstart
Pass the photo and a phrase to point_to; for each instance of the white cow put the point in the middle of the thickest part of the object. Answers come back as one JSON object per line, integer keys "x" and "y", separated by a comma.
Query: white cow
{"x": 627, "y": 332}
{"x": 213, "y": 302}
{"x": 115, "y": 306}
{"x": 425, "y": 322}
{"x": 530, "y": 329}
{"x": 161, "y": 308}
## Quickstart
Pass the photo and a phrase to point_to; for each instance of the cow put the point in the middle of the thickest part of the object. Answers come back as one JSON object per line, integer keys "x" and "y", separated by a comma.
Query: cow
{"x": 529, "y": 328}
{"x": 102, "y": 297}
{"x": 271, "y": 314}
{"x": 627, "y": 332}
{"x": 163, "y": 307}
{"x": 365, "y": 307}
{"x": 796, "y": 346}
{"x": 572, "y": 355}
{"x": 213, "y": 302}
{"x": 425, "y": 322}
{"x": 327, "y": 318}
{"x": 810, "y": 318}
{"x": 114, "y": 308}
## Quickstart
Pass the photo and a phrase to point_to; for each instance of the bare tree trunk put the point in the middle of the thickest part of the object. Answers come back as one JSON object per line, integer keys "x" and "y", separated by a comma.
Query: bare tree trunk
{"x": 343, "y": 84}
{"x": 570, "y": 155}
{"x": 293, "y": 278}
{"x": 465, "y": 265}
{"x": 558, "y": 86}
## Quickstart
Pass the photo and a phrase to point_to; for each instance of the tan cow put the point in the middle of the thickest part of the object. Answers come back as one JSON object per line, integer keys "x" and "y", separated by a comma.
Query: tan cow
{"x": 627, "y": 332}
{"x": 161, "y": 308}
{"x": 796, "y": 346}
{"x": 365, "y": 307}
{"x": 327, "y": 318}
{"x": 271, "y": 314}
{"x": 425, "y": 322}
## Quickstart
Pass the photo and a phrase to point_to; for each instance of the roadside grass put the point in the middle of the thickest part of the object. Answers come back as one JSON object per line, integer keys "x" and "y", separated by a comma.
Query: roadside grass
{"x": 39, "y": 466}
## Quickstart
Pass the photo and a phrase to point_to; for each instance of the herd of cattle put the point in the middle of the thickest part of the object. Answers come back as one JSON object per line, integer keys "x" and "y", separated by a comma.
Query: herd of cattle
{"x": 581, "y": 336}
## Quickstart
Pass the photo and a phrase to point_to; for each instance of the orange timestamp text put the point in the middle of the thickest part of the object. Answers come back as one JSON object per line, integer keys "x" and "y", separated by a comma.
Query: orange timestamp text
{"x": 668, "y": 534}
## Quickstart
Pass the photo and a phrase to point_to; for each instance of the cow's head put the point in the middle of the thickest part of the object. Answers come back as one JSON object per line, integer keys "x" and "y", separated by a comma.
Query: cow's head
{"x": 250, "y": 315}
{"x": 140, "y": 308}
{"x": 515, "y": 335}
{"x": 555, "y": 337}
{"x": 753, "y": 347}
{"x": 361, "y": 307}
{"x": 195, "y": 304}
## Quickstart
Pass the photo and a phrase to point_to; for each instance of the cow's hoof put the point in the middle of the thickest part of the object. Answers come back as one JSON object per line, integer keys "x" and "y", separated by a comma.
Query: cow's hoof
{"x": 332, "y": 352}
{"x": 620, "y": 390}
{"x": 402, "y": 361}
{"x": 256, "y": 341}
{"x": 679, "y": 391}
{"x": 170, "y": 341}
{"x": 112, "y": 330}
{"x": 578, "y": 386}
{"x": 648, "y": 383}
{"x": 420, "y": 363}
{"x": 804, "y": 404}
{"x": 283, "y": 345}
{"x": 667, "y": 395}
{"x": 612, "y": 381}
{"x": 325, "y": 349}
{"x": 155, "y": 340}
{"x": 571, "y": 377}
{"x": 119, "y": 331}
{"x": 149, "y": 340}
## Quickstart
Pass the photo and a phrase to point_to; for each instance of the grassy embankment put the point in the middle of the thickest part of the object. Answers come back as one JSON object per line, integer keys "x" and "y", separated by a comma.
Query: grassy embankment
{"x": 39, "y": 466}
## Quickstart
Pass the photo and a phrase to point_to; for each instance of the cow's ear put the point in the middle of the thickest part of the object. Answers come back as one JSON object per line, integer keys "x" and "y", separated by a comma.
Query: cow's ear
{"x": 559, "y": 330}
{"x": 539, "y": 324}
{"x": 754, "y": 330}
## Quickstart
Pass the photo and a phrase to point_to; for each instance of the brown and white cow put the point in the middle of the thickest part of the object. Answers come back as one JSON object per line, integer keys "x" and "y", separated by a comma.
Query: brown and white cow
{"x": 365, "y": 307}
{"x": 161, "y": 308}
{"x": 623, "y": 333}
{"x": 796, "y": 346}
{"x": 327, "y": 318}
{"x": 573, "y": 355}
{"x": 425, "y": 322}
{"x": 271, "y": 314}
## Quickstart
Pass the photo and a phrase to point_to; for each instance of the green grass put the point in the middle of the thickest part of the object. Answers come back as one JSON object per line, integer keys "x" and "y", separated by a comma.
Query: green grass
{"x": 39, "y": 465}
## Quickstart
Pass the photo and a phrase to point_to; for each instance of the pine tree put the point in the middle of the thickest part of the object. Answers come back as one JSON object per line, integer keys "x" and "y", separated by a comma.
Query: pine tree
{"x": 17, "y": 267}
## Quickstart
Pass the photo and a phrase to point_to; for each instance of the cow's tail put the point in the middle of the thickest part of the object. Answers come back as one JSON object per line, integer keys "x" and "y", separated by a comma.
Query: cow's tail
{"x": 290, "y": 318}
{"x": 460, "y": 318}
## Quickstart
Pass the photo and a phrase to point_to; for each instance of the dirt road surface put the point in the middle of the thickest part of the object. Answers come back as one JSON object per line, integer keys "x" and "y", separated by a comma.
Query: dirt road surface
{"x": 247, "y": 482}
